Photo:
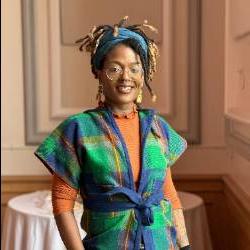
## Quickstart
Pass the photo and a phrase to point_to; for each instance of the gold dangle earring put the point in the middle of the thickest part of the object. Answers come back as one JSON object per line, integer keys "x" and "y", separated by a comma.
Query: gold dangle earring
{"x": 99, "y": 95}
{"x": 139, "y": 97}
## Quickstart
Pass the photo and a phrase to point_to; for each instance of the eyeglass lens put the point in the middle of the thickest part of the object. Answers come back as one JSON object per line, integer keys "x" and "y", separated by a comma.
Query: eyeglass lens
{"x": 115, "y": 72}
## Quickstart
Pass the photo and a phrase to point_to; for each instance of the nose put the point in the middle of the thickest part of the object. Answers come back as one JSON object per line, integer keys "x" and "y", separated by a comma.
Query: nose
{"x": 125, "y": 74}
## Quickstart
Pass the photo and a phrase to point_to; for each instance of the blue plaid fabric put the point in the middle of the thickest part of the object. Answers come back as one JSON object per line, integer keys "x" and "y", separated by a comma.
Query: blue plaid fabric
{"x": 87, "y": 150}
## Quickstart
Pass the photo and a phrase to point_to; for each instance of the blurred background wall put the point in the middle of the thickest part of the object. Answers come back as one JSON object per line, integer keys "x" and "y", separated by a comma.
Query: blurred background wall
{"x": 213, "y": 157}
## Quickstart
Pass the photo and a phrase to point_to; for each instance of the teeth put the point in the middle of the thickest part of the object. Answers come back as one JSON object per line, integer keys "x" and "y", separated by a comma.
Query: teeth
{"x": 124, "y": 89}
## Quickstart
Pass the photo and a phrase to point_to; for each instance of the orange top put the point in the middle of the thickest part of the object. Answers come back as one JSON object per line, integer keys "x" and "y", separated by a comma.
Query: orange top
{"x": 64, "y": 196}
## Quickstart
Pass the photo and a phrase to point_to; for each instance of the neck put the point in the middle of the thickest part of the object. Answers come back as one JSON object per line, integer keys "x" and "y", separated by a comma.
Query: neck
{"x": 122, "y": 108}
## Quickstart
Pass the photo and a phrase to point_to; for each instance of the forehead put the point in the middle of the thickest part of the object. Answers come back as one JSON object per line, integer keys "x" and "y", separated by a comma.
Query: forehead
{"x": 122, "y": 54}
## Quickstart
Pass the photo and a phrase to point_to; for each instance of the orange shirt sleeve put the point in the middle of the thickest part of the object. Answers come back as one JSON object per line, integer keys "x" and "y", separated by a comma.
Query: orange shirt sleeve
{"x": 170, "y": 191}
{"x": 63, "y": 196}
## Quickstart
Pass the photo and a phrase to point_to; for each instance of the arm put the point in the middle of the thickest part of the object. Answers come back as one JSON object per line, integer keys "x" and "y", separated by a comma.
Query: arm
{"x": 69, "y": 231}
{"x": 63, "y": 199}
{"x": 178, "y": 218}
{"x": 176, "y": 145}
{"x": 181, "y": 234}
{"x": 59, "y": 153}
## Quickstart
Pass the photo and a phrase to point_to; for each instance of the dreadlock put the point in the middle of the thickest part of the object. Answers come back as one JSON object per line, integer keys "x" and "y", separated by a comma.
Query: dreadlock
{"x": 92, "y": 39}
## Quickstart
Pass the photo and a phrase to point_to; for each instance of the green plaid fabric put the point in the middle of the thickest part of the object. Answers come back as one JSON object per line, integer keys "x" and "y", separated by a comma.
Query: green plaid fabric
{"x": 87, "y": 151}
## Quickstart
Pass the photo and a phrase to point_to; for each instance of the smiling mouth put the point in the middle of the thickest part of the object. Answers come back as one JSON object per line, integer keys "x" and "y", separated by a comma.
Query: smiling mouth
{"x": 124, "y": 89}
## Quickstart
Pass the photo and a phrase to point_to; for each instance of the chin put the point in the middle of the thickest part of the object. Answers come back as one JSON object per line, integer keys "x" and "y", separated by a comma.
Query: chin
{"x": 125, "y": 100}
{"x": 118, "y": 99}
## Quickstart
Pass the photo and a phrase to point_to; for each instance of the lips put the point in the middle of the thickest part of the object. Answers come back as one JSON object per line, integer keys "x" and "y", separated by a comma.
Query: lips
{"x": 124, "y": 89}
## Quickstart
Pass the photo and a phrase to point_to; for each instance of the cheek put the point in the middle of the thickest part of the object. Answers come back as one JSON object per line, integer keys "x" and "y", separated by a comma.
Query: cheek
{"x": 139, "y": 83}
{"x": 105, "y": 82}
{"x": 108, "y": 88}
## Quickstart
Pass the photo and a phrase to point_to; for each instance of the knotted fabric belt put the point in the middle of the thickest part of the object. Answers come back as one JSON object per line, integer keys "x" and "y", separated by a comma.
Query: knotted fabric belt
{"x": 104, "y": 202}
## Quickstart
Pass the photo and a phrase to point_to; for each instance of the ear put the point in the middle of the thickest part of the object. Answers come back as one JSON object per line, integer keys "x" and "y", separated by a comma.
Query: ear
{"x": 98, "y": 73}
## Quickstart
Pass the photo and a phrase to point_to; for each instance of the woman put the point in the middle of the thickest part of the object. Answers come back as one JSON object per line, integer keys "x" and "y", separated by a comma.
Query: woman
{"x": 117, "y": 155}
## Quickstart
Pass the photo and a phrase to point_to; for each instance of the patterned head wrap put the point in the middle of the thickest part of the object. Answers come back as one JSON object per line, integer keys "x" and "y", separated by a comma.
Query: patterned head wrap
{"x": 101, "y": 39}
{"x": 108, "y": 41}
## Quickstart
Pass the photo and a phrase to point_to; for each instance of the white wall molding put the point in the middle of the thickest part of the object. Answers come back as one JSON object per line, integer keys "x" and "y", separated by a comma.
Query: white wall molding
{"x": 54, "y": 75}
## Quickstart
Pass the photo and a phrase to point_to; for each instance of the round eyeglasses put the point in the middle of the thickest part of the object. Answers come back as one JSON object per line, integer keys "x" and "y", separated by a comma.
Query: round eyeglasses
{"x": 114, "y": 72}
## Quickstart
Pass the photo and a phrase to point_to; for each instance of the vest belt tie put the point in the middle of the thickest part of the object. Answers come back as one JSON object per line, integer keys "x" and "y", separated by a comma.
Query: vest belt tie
{"x": 105, "y": 202}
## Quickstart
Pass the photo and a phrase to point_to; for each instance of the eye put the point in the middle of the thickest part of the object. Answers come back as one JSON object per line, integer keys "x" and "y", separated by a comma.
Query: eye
{"x": 135, "y": 69}
{"x": 114, "y": 69}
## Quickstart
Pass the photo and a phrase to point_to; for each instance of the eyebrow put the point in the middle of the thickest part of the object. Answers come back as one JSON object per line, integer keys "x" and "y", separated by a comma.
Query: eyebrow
{"x": 133, "y": 63}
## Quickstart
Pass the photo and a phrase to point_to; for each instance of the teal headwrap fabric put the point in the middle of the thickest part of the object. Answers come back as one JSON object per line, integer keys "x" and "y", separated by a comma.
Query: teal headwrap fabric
{"x": 108, "y": 41}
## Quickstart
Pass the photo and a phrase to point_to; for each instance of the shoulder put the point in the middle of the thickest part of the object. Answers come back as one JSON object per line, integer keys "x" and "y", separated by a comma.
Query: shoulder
{"x": 167, "y": 128}
{"x": 79, "y": 123}
{"x": 152, "y": 112}
{"x": 79, "y": 117}
{"x": 156, "y": 116}
{"x": 161, "y": 120}
{"x": 163, "y": 124}
{"x": 146, "y": 112}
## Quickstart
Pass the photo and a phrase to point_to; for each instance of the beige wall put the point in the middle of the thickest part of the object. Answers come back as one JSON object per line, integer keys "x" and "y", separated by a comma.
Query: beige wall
{"x": 212, "y": 156}
{"x": 237, "y": 79}
{"x": 17, "y": 159}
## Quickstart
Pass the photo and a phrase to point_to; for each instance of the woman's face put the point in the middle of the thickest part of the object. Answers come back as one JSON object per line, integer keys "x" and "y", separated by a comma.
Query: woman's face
{"x": 121, "y": 76}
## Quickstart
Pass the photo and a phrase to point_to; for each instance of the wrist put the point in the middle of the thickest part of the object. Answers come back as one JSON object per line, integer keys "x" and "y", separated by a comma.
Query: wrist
{"x": 186, "y": 248}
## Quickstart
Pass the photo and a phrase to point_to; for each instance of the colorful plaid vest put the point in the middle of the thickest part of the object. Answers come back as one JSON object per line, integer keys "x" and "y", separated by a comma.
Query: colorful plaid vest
{"x": 87, "y": 151}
